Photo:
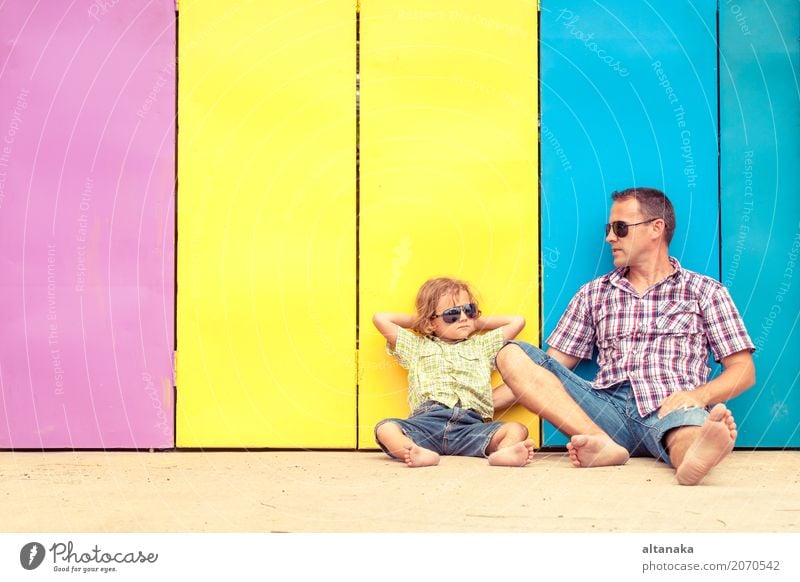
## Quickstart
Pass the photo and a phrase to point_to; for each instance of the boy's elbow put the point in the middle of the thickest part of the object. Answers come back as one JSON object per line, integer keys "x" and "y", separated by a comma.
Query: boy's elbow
{"x": 514, "y": 326}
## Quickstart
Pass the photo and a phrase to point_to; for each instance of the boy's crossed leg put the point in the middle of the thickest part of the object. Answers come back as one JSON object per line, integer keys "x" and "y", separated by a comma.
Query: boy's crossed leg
{"x": 510, "y": 446}
{"x": 403, "y": 448}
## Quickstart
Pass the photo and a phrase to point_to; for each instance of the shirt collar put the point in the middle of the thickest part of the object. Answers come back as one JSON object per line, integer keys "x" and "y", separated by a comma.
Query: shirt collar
{"x": 439, "y": 340}
{"x": 618, "y": 279}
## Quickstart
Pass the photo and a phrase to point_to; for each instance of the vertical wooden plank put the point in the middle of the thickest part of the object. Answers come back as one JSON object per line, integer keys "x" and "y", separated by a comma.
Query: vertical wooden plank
{"x": 760, "y": 147}
{"x": 628, "y": 99}
{"x": 266, "y": 270}
{"x": 448, "y": 170}
{"x": 87, "y": 102}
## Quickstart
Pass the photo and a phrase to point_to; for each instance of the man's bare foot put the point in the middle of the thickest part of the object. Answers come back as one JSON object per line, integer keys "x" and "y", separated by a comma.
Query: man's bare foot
{"x": 517, "y": 455}
{"x": 716, "y": 439}
{"x": 596, "y": 451}
{"x": 416, "y": 456}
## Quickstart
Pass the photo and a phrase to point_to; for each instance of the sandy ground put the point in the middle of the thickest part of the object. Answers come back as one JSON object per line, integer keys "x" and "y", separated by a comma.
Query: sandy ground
{"x": 366, "y": 492}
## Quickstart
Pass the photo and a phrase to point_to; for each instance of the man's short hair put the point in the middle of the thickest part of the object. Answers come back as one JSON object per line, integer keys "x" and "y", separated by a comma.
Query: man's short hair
{"x": 653, "y": 204}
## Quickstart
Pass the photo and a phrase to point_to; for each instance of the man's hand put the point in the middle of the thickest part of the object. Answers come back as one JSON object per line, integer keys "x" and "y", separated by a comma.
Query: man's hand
{"x": 678, "y": 400}
{"x": 738, "y": 374}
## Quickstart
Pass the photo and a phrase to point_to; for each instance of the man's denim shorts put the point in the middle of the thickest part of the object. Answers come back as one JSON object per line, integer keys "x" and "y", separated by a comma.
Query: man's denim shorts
{"x": 447, "y": 431}
{"x": 614, "y": 410}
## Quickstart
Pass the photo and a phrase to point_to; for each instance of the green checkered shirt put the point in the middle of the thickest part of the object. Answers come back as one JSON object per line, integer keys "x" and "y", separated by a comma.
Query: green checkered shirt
{"x": 455, "y": 374}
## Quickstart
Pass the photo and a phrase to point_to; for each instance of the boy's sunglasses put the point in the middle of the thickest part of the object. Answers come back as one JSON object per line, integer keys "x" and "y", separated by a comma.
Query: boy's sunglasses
{"x": 453, "y": 314}
{"x": 620, "y": 228}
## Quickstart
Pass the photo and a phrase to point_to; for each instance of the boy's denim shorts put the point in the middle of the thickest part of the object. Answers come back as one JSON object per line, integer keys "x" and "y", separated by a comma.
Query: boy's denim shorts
{"x": 614, "y": 410}
{"x": 447, "y": 431}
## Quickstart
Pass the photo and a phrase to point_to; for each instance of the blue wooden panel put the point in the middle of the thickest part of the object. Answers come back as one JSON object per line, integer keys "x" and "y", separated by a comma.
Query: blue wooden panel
{"x": 628, "y": 98}
{"x": 760, "y": 149}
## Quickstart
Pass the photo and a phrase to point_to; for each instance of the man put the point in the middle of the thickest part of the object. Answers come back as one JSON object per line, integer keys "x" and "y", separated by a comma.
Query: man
{"x": 653, "y": 324}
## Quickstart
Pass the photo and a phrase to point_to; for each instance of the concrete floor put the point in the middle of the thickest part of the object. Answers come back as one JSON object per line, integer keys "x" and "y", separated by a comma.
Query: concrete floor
{"x": 366, "y": 492}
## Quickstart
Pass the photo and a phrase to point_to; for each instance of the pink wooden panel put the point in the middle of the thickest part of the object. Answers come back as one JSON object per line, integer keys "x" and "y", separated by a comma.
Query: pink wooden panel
{"x": 87, "y": 138}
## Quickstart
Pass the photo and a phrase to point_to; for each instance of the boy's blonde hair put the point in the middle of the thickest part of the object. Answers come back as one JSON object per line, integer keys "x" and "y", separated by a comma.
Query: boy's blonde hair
{"x": 428, "y": 297}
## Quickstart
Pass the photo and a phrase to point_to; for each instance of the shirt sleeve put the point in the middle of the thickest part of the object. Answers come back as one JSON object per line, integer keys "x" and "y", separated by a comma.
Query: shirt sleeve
{"x": 574, "y": 335}
{"x": 724, "y": 326}
{"x": 406, "y": 348}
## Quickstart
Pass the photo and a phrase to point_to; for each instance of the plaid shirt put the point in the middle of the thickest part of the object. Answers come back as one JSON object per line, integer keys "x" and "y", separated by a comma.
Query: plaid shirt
{"x": 658, "y": 341}
{"x": 455, "y": 374}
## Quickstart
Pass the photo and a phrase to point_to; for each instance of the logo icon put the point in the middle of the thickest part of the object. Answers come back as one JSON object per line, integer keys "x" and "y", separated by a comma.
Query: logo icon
{"x": 31, "y": 555}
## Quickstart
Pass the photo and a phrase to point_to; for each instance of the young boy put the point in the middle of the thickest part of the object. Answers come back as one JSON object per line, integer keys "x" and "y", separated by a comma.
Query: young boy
{"x": 449, "y": 368}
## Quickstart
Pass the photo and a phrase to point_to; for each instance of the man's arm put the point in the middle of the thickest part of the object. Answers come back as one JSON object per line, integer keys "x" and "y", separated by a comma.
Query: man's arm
{"x": 387, "y": 324}
{"x": 738, "y": 374}
{"x": 565, "y": 360}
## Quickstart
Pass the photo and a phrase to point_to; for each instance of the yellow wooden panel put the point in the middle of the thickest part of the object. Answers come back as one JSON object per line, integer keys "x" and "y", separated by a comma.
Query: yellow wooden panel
{"x": 266, "y": 227}
{"x": 449, "y": 170}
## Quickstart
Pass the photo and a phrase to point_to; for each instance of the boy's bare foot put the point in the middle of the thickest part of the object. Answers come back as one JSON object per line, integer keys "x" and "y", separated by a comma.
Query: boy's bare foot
{"x": 416, "y": 456}
{"x": 716, "y": 439}
{"x": 596, "y": 451}
{"x": 517, "y": 455}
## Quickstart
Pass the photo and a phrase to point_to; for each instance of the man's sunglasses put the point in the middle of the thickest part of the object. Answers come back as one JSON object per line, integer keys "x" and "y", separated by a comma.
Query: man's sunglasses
{"x": 620, "y": 228}
{"x": 453, "y": 314}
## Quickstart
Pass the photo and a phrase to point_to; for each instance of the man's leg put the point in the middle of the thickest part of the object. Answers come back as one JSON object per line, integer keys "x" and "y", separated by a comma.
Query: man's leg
{"x": 695, "y": 450}
{"x": 541, "y": 392}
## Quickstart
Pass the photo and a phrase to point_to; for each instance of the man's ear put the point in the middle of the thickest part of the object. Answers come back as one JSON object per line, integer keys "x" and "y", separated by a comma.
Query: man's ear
{"x": 659, "y": 226}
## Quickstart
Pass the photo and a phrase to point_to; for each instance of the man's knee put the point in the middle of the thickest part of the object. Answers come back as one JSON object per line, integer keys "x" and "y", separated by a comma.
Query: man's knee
{"x": 513, "y": 357}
